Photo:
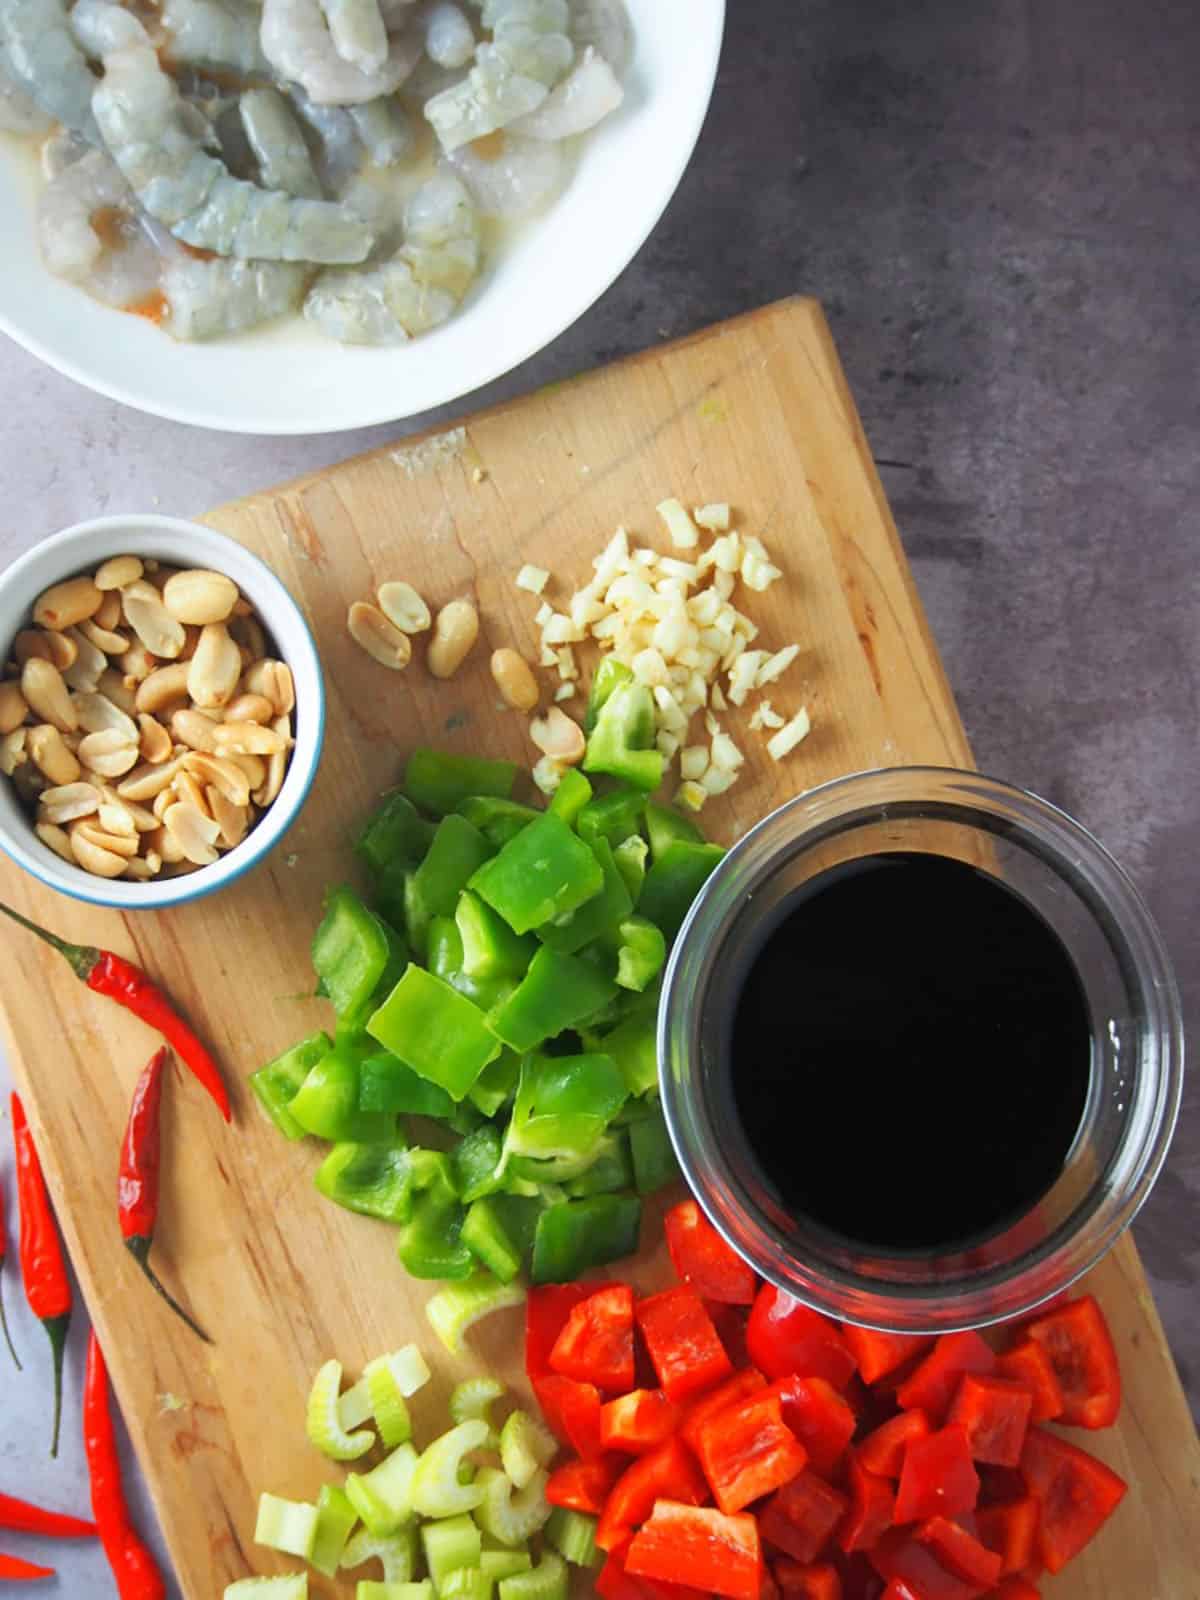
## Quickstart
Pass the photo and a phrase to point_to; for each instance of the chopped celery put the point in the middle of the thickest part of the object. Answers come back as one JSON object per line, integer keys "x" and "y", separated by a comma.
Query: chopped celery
{"x": 472, "y": 1401}
{"x": 467, "y": 1583}
{"x": 396, "y": 1552}
{"x": 335, "y": 1521}
{"x": 354, "y": 1406}
{"x": 323, "y": 1423}
{"x": 504, "y": 1563}
{"x": 525, "y": 1447}
{"x": 368, "y": 1589}
{"x": 507, "y": 1515}
{"x": 286, "y": 1525}
{"x": 436, "y": 1489}
{"x": 489, "y": 1241}
{"x": 292, "y": 1587}
{"x": 546, "y": 1581}
{"x": 460, "y": 1305}
{"x": 573, "y": 1535}
{"x": 387, "y": 1405}
{"x": 383, "y": 1496}
{"x": 408, "y": 1366}
{"x": 449, "y": 1546}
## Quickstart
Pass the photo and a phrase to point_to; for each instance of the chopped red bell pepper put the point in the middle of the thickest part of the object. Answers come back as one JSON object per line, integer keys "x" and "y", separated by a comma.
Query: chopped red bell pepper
{"x": 1016, "y": 1589}
{"x": 883, "y": 1450}
{"x": 668, "y": 1473}
{"x": 878, "y": 1353}
{"x": 959, "y": 1551}
{"x": 786, "y": 1338}
{"x": 1010, "y": 1529}
{"x": 697, "y": 1545}
{"x": 584, "y": 1485}
{"x": 796, "y": 1582}
{"x": 1080, "y": 1347}
{"x": 769, "y": 1589}
{"x": 687, "y": 1355}
{"x": 638, "y": 1421}
{"x": 1076, "y": 1494}
{"x": 546, "y": 1311}
{"x": 747, "y": 1451}
{"x": 931, "y": 1386}
{"x": 872, "y": 1505}
{"x": 938, "y": 1477}
{"x": 819, "y": 1417}
{"x": 596, "y": 1341}
{"x": 995, "y": 1413}
{"x": 799, "y": 1519}
{"x": 730, "y": 1323}
{"x": 1028, "y": 1364}
{"x": 998, "y": 1483}
{"x": 899, "y": 1590}
{"x": 734, "y": 1390}
{"x": 572, "y": 1412}
{"x": 703, "y": 1259}
{"x": 898, "y": 1557}
{"x": 614, "y": 1583}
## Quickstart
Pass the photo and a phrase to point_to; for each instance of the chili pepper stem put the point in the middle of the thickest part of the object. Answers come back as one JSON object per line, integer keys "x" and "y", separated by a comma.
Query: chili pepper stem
{"x": 139, "y": 1248}
{"x": 81, "y": 957}
{"x": 7, "y": 1335}
{"x": 56, "y": 1328}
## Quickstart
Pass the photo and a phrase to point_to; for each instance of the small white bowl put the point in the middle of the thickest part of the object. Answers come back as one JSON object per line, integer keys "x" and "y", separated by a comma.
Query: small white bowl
{"x": 185, "y": 544}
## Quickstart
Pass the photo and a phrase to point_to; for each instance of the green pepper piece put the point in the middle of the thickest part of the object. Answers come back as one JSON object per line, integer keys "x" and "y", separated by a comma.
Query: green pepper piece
{"x": 388, "y": 1084}
{"x": 616, "y": 816}
{"x": 439, "y": 783}
{"x": 545, "y": 872}
{"x": 556, "y": 993}
{"x": 622, "y": 742}
{"x": 633, "y": 1045}
{"x": 456, "y": 851}
{"x": 576, "y": 1235}
{"x": 476, "y": 1163}
{"x": 498, "y": 820}
{"x": 630, "y": 857}
{"x": 430, "y": 1243}
{"x": 397, "y": 961}
{"x": 556, "y": 1172}
{"x": 641, "y": 952}
{"x": 609, "y": 675}
{"x": 393, "y": 833}
{"x": 496, "y": 1083}
{"x": 350, "y": 951}
{"x": 572, "y": 794}
{"x": 326, "y": 1103}
{"x": 674, "y": 881}
{"x": 664, "y": 825}
{"x": 489, "y": 1241}
{"x": 445, "y": 959}
{"x": 278, "y": 1083}
{"x": 596, "y": 916}
{"x": 490, "y": 949}
{"x": 374, "y": 1179}
{"x": 611, "y": 1169}
{"x": 564, "y": 1104}
{"x": 654, "y": 1163}
{"x": 440, "y": 1033}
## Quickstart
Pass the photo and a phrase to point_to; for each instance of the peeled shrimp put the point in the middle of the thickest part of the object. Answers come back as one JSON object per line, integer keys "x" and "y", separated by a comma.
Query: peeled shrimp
{"x": 525, "y": 176}
{"x": 357, "y": 30}
{"x": 605, "y": 25}
{"x": 143, "y": 120}
{"x": 299, "y": 46}
{"x": 449, "y": 36}
{"x": 19, "y": 111}
{"x": 419, "y": 288}
{"x": 220, "y": 34}
{"x": 274, "y": 136}
{"x": 512, "y": 75}
{"x": 588, "y": 93}
{"x": 210, "y": 299}
{"x": 384, "y": 130}
{"x": 91, "y": 232}
{"x": 44, "y": 58}
{"x": 531, "y": 36}
{"x": 339, "y": 149}
{"x": 99, "y": 27}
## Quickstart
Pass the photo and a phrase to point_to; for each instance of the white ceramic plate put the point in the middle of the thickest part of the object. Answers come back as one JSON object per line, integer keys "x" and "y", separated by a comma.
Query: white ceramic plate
{"x": 292, "y": 380}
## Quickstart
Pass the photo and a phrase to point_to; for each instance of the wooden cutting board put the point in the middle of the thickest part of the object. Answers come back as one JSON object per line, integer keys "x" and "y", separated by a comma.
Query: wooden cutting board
{"x": 755, "y": 411}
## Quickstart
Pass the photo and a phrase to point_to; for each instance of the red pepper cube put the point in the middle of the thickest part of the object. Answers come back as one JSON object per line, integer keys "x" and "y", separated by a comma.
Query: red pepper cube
{"x": 931, "y": 1387}
{"x": 796, "y": 1582}
{"x": 1075, "y": 1493}
{"x": 877, "y": 1353}
{"x": 899, "y": 1558}
{"x": 800, "y": 1518}
{"x": 572, "y": 1412}
{"x": 747, "y": 1451}
{"x": 1080, "y": 1348}
{"x": 819, "y": 1417}
{"x": 872, "y": 1505}
{"x": 703, "y": 1259}
{"x": 882, "y": 1451}
{"x": 1016, "y": 1589}
{"x": 769, "y": 1589}
{"x": 1028, "y": 1364}
{"x": 938, "y": 1477}
{"x": 1010, "y": 1529}
{"x": 701, "y": 1547}
{"x": 613, "y": 1583}
{"x": 785, "y": 1338}
{"x": 638, "y": 1421}
{"x": 732, "y": 1392}
{"x": 995, "y": 1413}
{"x": 584, "y": 1485}
{"x": 959, "y": 1551}
{"x": 730, "y": 1323}
{"x": 687, "y": 1355}
{"x": 596, "y": 1341}
{"x": 546, "y": 1311}
{"x": 668, "y": 1473}
{"x": 899, "y": 1590}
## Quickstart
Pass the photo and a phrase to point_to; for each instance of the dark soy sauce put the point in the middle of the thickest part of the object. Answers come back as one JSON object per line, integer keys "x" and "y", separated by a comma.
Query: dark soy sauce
{"x": 910, "y": 1054}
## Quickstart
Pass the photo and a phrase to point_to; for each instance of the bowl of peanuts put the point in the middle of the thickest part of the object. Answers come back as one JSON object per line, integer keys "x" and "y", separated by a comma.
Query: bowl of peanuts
{"x": 161, "y": 711}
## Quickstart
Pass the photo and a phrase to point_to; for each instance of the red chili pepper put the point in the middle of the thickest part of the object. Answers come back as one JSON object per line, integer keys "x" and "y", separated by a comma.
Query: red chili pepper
{"x": 133, "y": 1566}
{"x": 24, "y": 1518}
{"x": 18, "y": 1571}
{"x": 43, "y": 1265}
{"x": 120, "y": 980}
{"x": 137, "y": 1183}
{"x": 3, "y": 1316}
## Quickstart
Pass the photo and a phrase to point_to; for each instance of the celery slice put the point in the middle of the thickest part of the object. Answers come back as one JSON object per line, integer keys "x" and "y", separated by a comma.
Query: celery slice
{"x": 323, "y": 1421}
{"x": 525, "y": 1445}
{"x": 391, "y": 1413}
{"x": 511, "y": 1517}
{"x": 450, "y": 1545}
{"x": 546, "y": 1581}
{"x": 383, "y": 1496}
{"x": 472, "y": 1400}
{"x": 368, "y": 1589}
{"x": 397, "y": 1553}
{"x": 467, "y": 1583}
{"x": 335, "y": 1521}
{"x": 286, "y": 1525}
{"x": 436, "y": 1487}
{"x": 292, "y": 1587}
{"x": 460, "y": 1305}
{"x": 573, "y": 1535}
{"x": 407, "y": 1366}
{"x": 354, "y": 1406}
{"x": 499, "y": 1564}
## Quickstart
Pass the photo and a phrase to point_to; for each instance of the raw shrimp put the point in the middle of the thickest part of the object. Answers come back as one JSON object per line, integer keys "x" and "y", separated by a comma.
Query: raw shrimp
{"x": 91, "y": 232}
{"x": 221, "y": 34}
{"x": 339, "y": 149}
{"x": 605, "y": 25}
{"x": 449, "y": 36}
{"x": 511, "y": 77}
{"x": 419, "y": 288}
{"x": 384, "y": 130}
{"x": 99, "y": 27}
{"x": 46, "y": 61}
{"x": 525, "y": 176}
{"x": 274, "y": 136}
{"x": 60, "y": 151}
{"x": 531, "y": 36}
{"x": 19, "y": 111}
{"x": 588, "y": 93}
{"x": 357, "y": 30}
{"x": 209, "y": 299}
{"x": 298, "y": 44}
{"x": 142, "y": 118}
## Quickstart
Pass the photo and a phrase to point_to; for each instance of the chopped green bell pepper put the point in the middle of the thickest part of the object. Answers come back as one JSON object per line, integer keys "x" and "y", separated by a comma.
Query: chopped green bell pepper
{"x": 445, "y": 960}
{"x": 496, "y": 1083}
{"x": 434, "y": 888}
{"x": 326, "y": 1104}
{"x": 633, "y": 1045}
{"x": 439, "y": 783}
{"x": 476, "y": 1163}
{"x": 664, "y": 826}
{"x": 622, "y": 741}
{"x": 278, "y": 1083}
{"x": 393, "y": 833}
{"x": 543, "y": 873}
{"x": 440, "y": 1033}
{"x": 563, "y": 1105}
{"x": 630, "y": 857}
{"x": 674, "y": 881}
{"x": 350, "y": 952}
{"x": 604, "y": 911}
{"x": 572, "y": 794}
{"x": 489, "y": 1241}
{"x": 577, "y": 1235}
{"x": 374, "y": 1179}
{"x": 654, "y": 1163}
{"x": 641, "y": 952}
{"x": 609, "y": 675}
{"x": 430, "y": 1243}
{"x": 386, "y": 1083}
{"x": 497, "y": 820}
{"x": 611, "y": 1169}
{"x": 615, "y": 816}
{"x": 490, "y": 949}
{"x": 556, "y": 993}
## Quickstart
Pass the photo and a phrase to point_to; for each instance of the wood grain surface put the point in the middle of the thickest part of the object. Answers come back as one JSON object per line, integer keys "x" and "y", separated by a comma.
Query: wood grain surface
{"x": 755, "y": 411}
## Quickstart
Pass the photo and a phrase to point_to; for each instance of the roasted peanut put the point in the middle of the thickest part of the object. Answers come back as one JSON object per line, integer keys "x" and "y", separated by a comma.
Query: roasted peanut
{"x": 118, "y": 844}
{"x": 161, "y": 687}
{"x": 247, "y": 739}
{"x": 141, "y": 869}
{"x": 114, "y": 816}
{"x": 403, "y": 607}
{"x": 214, "y": 670}
{"x": 249, "y": 708}
{"x": 143, "y": 820}
{"x": 232, "y": 819}
{"x": 89, "y": 664}
{"x": 118, "y": 572}
{"x": 97, "y": 713}
{"x": 154, "y": 742}
{"x": 162, "y": 844}
{"x": 454, "y": 633}
{"x": 219, "y": 772}
{"x": 46, "y": 694}
{"x": 105, "y": 639}
{"x": 92, "y": 857}
{"x": 13, "y": 709}
{"x": 193, "y": 832}
{"x": 154, "y": 625}
{"x": 255, "y": 768}
{"x": 199, "y": 596}
{"x": 67, "y": 603}
{"x": 247, "y": 632}
{"x": 57, "y": 648}
{"x": 559, "y": 737}
{"x": 109, "y": 614}
{"x": 111, "y": 753}
{"x": 136, "y": 664}
{"x": 272, "y": 680}
{"x": 383, "y": 642}
{"x": 56, "y": 839}
{"x": 50, "y": 755}
{"x": 70, "y": 801}
{"x": 187, "y": 790}
{"x": 268, "y": 791}
{"x": 13, "y": 753}
{"x": 112, "y": 687}
{"x": 144, "y": 782}
{"x": 515, "y": 680}
{"x": 193, "y": 728}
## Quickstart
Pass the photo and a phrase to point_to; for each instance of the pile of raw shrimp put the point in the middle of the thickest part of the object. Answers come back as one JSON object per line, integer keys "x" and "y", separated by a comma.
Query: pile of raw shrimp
{"x": 215, "y": 165}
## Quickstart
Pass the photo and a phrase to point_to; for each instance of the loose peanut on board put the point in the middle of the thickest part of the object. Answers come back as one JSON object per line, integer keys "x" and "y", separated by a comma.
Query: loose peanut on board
{"x": 515, "y": 680}
{"x": 559, "y": 737}
{"x": 403, "y": 607}
{"x": 454, "y": 633}
{"x": 381, "y": 639}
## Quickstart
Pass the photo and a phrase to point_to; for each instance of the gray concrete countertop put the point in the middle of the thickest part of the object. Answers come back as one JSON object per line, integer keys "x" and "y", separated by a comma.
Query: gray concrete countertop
{"x": 997, "y": 205}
